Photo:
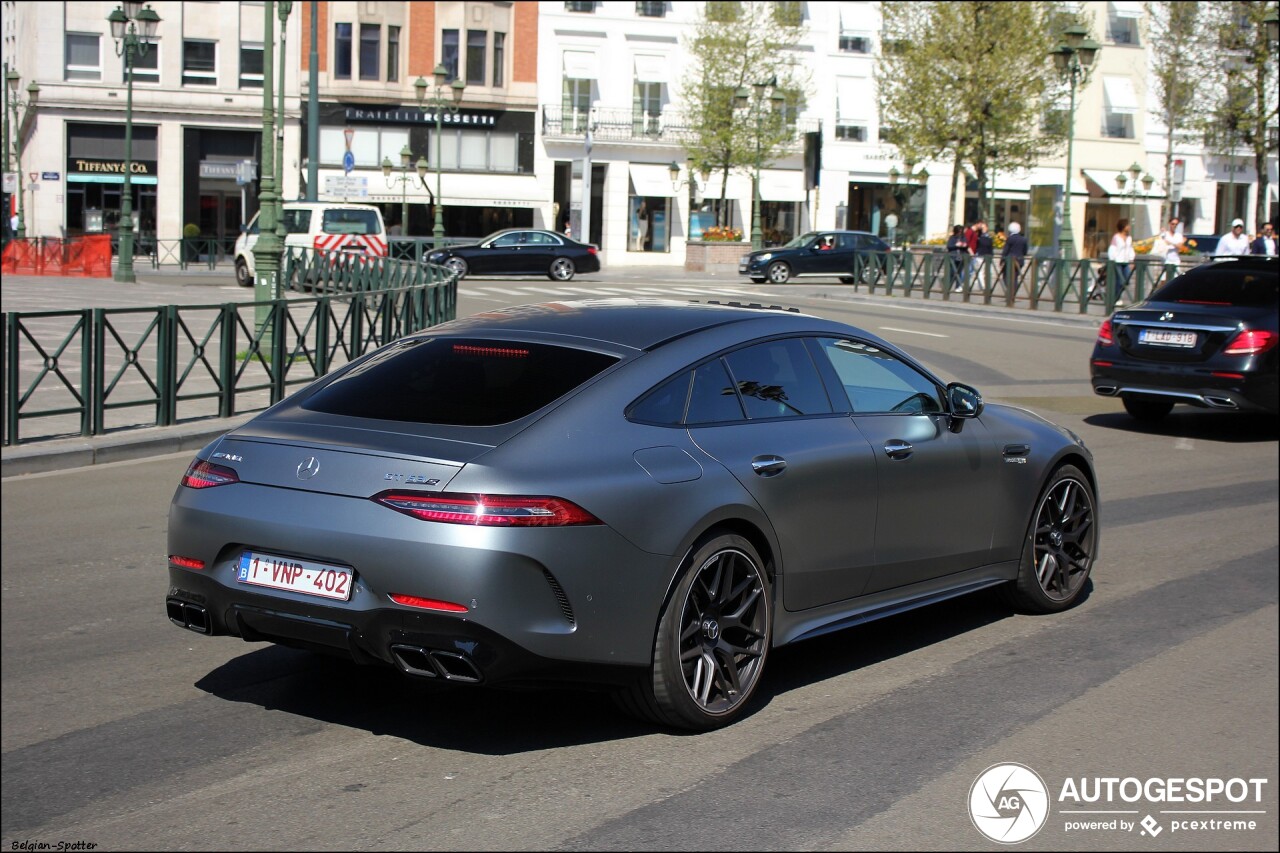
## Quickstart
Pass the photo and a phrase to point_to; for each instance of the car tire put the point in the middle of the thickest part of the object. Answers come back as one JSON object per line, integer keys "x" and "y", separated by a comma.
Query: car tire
{"x": 562, "y": 269}
{"x": 778, "y": 273}
{"x": 722, "y": 607}
{"x": 242, "y": 273}
{"x": 1061, "y": 542}
{"x": 757, "y": 279}
{"x": 457, "y": 266}
{"x": 1148, "y": 411}
{"x": 870, "y": 272}
{"x": 848, "y": 279}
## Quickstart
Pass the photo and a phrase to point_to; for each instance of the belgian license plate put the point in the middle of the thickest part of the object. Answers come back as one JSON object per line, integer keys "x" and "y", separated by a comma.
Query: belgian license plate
{"x": 294, "y": 575}
{"x": 1167, "y": 338}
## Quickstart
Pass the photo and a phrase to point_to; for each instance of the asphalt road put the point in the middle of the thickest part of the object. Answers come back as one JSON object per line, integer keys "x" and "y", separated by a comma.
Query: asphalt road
{"x": 122, "y": 731}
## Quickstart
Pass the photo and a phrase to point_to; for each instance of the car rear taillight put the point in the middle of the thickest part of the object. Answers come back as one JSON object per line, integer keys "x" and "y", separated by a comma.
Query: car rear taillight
{"x": 488, "y": 510}
{"x": 186, "y": 562}
{"x": 1105, "y": 337}
{"x": 206, "y": 475}
{"x": 1250, "y": 342}
{"x": 427, "y": 603}
{"x": 591, "y": 250}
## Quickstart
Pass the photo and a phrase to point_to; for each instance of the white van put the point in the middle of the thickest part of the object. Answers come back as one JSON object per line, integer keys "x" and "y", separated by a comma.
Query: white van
{"x": 320, "y": 225}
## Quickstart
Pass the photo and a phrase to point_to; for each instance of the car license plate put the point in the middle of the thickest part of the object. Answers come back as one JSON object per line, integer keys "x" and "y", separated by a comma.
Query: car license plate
{"x": 1166, "y": 338}
{"x": 294, "y": 575}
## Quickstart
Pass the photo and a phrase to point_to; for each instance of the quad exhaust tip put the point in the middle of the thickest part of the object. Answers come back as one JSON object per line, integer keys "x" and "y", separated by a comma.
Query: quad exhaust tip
{"x": 433, "y": 663}
{"x": 184, "y": 614}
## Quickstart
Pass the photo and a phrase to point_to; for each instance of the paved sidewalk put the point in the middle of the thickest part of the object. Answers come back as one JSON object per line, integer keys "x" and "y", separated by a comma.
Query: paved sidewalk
{"x": 203, "y": 287}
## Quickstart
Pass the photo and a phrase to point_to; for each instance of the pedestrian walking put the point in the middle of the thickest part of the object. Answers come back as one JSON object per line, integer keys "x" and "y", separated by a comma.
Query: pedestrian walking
{"x": 958, "y": 249}
{"x": 984, "y": 248}
{"x": 1234, "y": 242}
{"x": 1015, "y": 249}
{"x": 1121, "y": 254}
{"x": 1169, "y": 242}
{"x": 1265, "y": 244}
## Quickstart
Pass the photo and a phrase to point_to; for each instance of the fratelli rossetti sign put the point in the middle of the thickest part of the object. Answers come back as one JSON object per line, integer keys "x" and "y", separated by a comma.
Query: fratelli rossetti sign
{"x": 472, "y": 118}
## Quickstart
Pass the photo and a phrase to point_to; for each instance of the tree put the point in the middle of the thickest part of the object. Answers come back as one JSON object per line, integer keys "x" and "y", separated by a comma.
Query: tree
{"x": 965, "y": 80}
{"x": 1244, "y": 92}
{"x": 1181, "y": 50}
{"x": 736, "y": 45}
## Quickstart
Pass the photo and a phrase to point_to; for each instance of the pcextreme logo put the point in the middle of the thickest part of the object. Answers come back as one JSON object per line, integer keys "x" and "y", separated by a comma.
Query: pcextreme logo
{"x": 1010, "y": 802}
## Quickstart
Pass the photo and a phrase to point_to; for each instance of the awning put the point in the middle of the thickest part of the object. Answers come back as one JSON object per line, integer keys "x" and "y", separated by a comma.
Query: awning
{"x": 581, "y": 65}
{"x": 781, "y": 185}
{"x": 651, "y": 69}
{"x": 739, "y": 187}
{"x": 1120, "y": 96}
{"x": 459, "y": 189}
{"x": 651, "y": 179}
{"x": 854, "y": 97}
{"x": 1105, "y": 181}
{"x": 1125, "y": 9}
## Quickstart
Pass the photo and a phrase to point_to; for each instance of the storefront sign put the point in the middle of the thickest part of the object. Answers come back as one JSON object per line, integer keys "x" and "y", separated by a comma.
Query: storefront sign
{"x": 112, "y": 167}
{"x": 215, "y": 169}
{"x": 472, "y": 118}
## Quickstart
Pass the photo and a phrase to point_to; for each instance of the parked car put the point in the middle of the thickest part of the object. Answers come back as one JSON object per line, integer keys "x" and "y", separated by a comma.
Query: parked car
{"x": 320, "y": 225}
{"x": 1204, "y": 244}
{"x": 520, "y": 251}
{"x": 843, "y": 254}
{"x": 1207, "y": 338}
{"x": 648, "y": 495}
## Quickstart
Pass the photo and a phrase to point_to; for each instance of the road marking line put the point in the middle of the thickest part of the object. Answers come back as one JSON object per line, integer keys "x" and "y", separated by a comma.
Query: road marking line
{"x": 912, "y": 332}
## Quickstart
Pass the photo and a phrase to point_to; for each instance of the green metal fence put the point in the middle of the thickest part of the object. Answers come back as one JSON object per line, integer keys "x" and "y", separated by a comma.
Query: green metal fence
{"x": 95, "y": 370}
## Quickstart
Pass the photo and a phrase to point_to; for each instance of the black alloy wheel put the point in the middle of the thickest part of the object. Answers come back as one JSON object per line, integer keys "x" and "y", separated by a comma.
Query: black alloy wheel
{"x": 457, "y": 266}
{"x": 562, "y": 269}
{"x": 1060, "y": 546}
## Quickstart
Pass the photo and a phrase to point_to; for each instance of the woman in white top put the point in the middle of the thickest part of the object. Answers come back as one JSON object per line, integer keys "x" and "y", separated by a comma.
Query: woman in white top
{"x": 1172, "y": 239}
{"x": 1120, "y": 252}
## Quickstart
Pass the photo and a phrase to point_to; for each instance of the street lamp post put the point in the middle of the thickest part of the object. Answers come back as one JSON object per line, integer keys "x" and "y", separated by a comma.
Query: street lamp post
{"x": 440, "y": 104}
{"x": 744, "y": 99}
{"x": 1073, "y": 59}
{"x": 283, "y": 8}
{"x": 125, "y": 22}
{"x": 21, "y": 112}
{"x": 1132, "y": 178}
{"x": 404, "y": 179}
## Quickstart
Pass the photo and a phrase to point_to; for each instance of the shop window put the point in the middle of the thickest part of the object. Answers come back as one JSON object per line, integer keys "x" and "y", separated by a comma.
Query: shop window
{"x": 851, "y": 132}
{"x": 342, "y": 51}
{"x": 369, "y": 145}
{"x": 199, "y": 63}
{"x": 499, "y": 60}
{"x": 449, "y": 53}
{"x": 84, "y": 56}
{"x": 250, "y": 66}
{"x": 649, "y": 224}
{"x": 393, "y": 54}
{"x": 710, "y": 211}
{"x": 146, "y": 66}
{"x": 370, "y": 42}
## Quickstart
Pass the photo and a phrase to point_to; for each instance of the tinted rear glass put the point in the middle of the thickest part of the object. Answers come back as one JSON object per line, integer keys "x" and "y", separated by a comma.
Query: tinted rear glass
{"x": 1223, "y": 283}
{"x": 296, "y": 220}
{"x": 458, "y": 382}
{"x": 343, "y": 220}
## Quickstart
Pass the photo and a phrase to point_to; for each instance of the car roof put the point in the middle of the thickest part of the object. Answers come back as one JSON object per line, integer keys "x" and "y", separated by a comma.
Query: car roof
{"x": 356, "y": 205}
{"x": 639, "y": 324}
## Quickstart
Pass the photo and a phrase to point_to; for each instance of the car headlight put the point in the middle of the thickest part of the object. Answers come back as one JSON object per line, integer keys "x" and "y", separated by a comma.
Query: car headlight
{"x": 436, "y": 257}
{"x": 766, "y": 256}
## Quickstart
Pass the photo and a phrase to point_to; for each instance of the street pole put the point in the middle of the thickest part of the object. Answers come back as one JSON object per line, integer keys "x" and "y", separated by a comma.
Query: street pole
{"x": 1073, "y": 58}
{"x": 266, "y": 253}
{"x": 283, "y": 7}
{"x": 744, "y": 98}
{"x": 21, "y": 110}
{"x": 124, "y": 22}
{"x": 439, "y": 103}
{"x": 313, "y": 108}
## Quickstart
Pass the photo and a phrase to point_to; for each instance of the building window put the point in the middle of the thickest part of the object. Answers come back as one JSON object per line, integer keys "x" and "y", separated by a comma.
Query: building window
{"x": 850, "y": 43}
{"x": 651, "y": 10}
{"x": 393, "y": 54}
{"x": 577, "y": 104}
{"x": 342, "y": 51}
{"x": 1117, "y": 125}
{"x": 369, "y": 144}
{"x": 250, "y": 66}
{"x": 646, "y": 119}
{"x": 477, "y": 45}
{"x": 499, "y": 59}
{"x": 84, "y": 59}
{"x": 1122, "y": 30}
{"x": 851, "y": 132}
{"x": 146, "y": 66}
{"x": 723, "y": 11}
{"x": 199, "y": 63}
{"x": 648, "y": 231}
{"x": 370, "y": 39}
{"x": 449, "y": 53}
{"x": 588, "y": 6}
{"x": 475, "y": 150}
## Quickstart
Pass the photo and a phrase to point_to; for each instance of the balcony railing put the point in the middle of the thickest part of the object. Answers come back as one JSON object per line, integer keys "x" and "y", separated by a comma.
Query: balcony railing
{"x": 634, "y": 126}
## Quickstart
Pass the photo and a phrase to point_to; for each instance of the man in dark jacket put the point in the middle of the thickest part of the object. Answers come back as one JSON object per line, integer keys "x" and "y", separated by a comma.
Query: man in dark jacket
{"x": 1264, "y": 243}
{"x": 1015, "y": 249}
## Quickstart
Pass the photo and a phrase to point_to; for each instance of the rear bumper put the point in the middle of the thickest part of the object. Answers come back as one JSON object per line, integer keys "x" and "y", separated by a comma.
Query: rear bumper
{"x": 1196, "y": 386}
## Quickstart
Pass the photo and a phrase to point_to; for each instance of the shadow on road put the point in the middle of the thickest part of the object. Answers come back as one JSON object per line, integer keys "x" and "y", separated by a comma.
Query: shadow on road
{"x": 1203, "y": 424}
{"x": 502, "y": 722}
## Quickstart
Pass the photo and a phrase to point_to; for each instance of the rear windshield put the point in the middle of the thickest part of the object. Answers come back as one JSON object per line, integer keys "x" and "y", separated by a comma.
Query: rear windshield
{"x": 458, "y": 382}
{"x": 1223, "y": 283}
{"x": 346, "y": 221}
{"x": 296, "y": 220}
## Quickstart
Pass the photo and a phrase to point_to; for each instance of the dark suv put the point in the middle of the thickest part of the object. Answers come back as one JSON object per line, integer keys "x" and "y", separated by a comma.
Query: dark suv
{"x": 847, "y": 255}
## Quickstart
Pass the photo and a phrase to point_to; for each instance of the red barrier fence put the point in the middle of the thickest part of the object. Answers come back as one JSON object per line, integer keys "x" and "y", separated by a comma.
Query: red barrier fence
{"x": 88, "y": 256}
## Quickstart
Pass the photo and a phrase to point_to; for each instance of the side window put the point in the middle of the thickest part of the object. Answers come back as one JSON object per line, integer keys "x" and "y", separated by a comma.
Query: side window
{"x": 712, "y": 399}
{"x": 877, "y": 381}
{"x": 778, "y": 379}
{"x": 345, "y": 221}
{"x": 296, "y": 221}
{"x": 507, "y": 240}
{"x": 664, "y": 405}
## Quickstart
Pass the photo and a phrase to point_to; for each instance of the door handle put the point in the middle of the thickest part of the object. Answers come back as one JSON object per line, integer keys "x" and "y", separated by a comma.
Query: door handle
{"x": 768, "y": 466}
{"x": 896, "y": 448}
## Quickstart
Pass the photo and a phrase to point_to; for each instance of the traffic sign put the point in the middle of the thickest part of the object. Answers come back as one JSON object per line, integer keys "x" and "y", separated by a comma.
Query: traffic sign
{"x": 348, "y": 162}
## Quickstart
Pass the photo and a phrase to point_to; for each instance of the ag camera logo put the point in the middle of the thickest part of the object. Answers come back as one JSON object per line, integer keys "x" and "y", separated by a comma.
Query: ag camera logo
{"x": 1009, "y": 803}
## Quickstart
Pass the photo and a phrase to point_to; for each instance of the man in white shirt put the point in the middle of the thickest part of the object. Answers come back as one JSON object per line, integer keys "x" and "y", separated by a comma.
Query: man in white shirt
{"x": 1234, "y": 243}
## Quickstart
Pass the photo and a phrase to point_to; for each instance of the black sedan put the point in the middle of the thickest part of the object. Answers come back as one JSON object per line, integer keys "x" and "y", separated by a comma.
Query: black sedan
{"x": 520, "y": 251}
{"x": 647, "y": 495}
{"x": 1208, "y": 338}
{"x": 846, "y": 255}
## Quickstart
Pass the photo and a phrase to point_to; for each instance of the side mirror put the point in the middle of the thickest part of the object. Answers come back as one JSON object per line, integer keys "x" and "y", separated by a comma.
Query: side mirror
{"x": 964, "y": 402}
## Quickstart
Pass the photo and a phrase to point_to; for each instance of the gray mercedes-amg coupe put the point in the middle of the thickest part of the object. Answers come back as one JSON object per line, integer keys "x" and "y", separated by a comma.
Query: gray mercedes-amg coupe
{"x": 638, "y": 494}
